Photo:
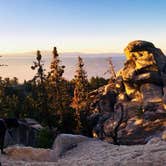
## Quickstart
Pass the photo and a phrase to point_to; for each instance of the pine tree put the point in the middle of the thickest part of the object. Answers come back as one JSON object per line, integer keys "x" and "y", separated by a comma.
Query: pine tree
{"x": 58, "y": 95}
{"x": 55, "y": 81}
{"x": 40, "y": 76}
{"x": 79, "y": 102}
{"x": 40, "y": 93}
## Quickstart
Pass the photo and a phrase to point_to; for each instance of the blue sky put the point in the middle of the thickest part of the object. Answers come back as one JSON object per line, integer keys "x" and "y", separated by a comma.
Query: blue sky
{"x": 80, "y": 25}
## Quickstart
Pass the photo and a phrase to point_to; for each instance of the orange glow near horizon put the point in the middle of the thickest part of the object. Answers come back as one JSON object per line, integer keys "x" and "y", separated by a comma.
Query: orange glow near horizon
{"x": 84, "y": 46}
{"x": 81, "y": 45}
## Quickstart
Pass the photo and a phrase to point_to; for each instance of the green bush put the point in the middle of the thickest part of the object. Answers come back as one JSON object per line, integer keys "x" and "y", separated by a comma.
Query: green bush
{"x": 45, "y": 138}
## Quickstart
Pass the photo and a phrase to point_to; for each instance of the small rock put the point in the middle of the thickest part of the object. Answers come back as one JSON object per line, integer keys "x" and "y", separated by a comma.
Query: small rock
{"x": 64, "y": 142}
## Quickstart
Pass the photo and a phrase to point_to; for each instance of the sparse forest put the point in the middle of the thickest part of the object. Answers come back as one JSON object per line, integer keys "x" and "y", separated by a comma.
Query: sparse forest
{"x": 57, "y": 104}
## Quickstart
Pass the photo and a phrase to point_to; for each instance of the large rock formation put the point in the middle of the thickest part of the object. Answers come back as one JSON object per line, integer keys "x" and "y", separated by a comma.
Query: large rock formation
{"x": 141, "y": 88}
{"x": 143, "y": 72}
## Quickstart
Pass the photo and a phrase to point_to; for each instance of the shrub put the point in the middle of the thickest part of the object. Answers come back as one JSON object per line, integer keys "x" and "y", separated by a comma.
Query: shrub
{"x": 45, "y": 138}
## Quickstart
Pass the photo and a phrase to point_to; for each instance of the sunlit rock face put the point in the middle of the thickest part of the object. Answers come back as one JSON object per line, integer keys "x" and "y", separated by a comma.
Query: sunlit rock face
{"x": 143, "y": 71}
{"x": 140, "y": 86}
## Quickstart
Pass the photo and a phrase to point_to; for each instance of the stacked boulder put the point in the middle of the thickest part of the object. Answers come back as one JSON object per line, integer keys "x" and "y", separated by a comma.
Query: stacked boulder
{"x": 140, "y": 87}
{"x": 143, "y": 73}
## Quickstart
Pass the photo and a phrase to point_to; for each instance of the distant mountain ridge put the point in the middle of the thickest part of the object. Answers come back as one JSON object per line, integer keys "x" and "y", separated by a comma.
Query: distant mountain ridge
{"x": 32, "y": 53}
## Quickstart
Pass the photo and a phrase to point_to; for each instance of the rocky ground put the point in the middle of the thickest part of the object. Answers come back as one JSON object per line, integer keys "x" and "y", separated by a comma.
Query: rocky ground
{"x": 90, "y": 152}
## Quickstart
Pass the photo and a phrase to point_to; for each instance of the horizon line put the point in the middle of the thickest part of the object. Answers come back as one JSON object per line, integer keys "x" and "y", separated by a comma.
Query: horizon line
{"x": 65, "y": 52}
{"x": 50, "y": 52}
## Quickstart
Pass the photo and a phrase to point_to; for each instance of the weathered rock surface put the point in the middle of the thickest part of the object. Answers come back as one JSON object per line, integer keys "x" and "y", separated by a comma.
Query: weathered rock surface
{"x": 137, "y": 127}
{"x": 145, "y": 65}
{"x": 141, "y": 88}
{"x": 64, "y": 142}
{"x": 25, "y": 134}
{"x": 91, "y": 152}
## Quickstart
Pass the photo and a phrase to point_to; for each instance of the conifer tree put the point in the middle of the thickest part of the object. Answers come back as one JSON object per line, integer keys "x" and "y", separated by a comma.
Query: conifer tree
{"x": 40, "y": 94}
{"x": 79, "y": 102}
{"x": 56, "y": 81}
{"x": 58, "y": 91}
{"x": 40, "y": 76}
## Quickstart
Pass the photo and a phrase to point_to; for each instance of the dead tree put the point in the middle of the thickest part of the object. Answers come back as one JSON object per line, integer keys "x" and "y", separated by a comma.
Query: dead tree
{"x": 111, "y": 69}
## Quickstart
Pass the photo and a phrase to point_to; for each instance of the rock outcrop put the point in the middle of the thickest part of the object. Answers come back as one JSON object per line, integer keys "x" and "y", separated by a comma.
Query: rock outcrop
{"x": 141, "y": 89}
{"x": 25, "y": 134}
{"x": 143, "y": 72}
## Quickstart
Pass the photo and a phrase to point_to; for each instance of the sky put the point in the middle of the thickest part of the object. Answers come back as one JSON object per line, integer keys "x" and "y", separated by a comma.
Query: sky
{"x": 88, "y": 26}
